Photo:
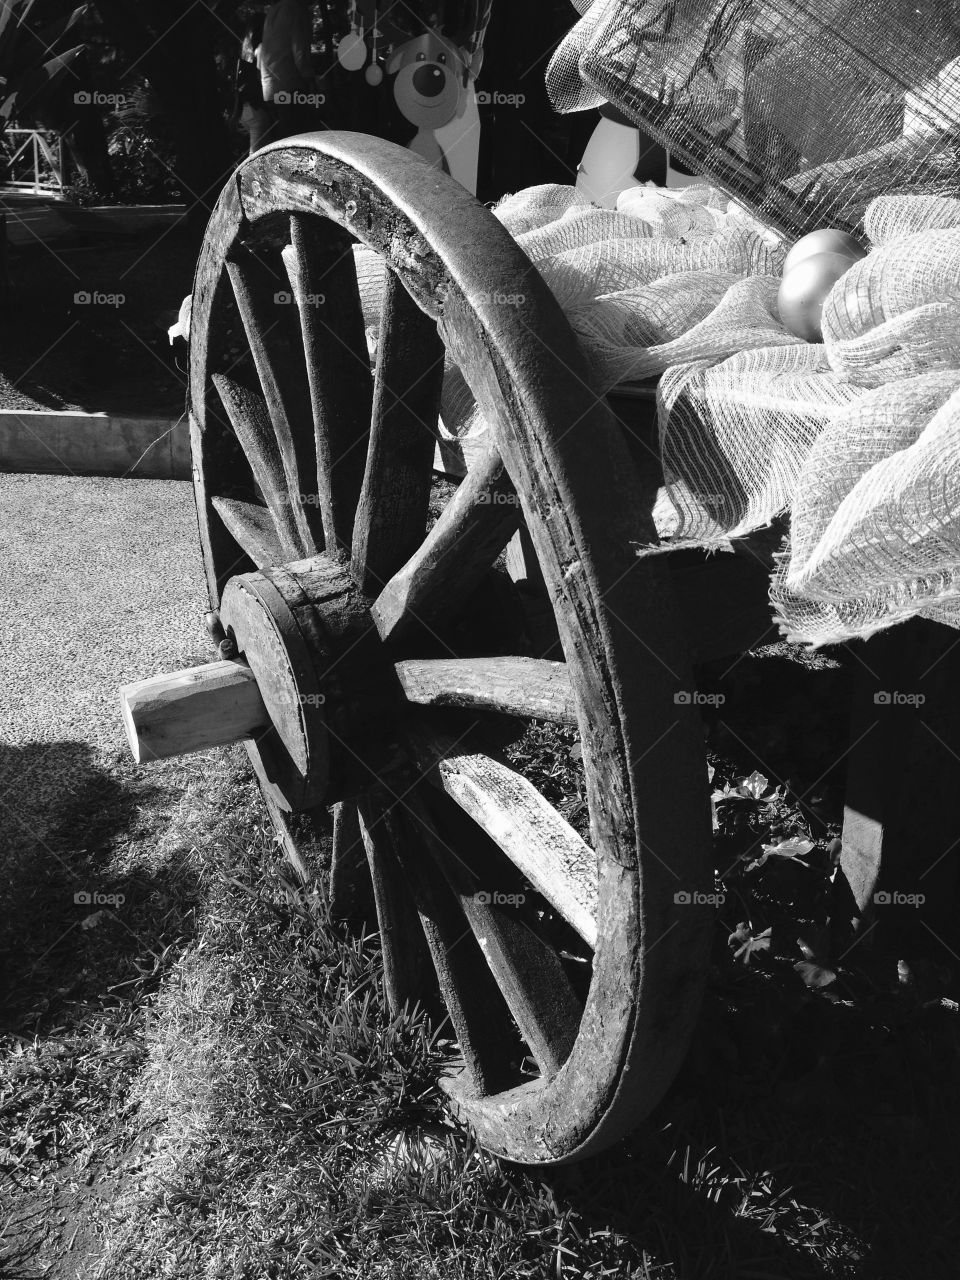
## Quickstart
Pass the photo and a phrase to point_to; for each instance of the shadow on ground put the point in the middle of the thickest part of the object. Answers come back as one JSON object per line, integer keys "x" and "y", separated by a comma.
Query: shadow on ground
{"x": 831, "y": 1113}
{"x": 71, "y": 928}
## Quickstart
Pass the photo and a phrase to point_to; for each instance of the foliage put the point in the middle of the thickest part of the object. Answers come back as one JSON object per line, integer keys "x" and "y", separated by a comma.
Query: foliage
{"x": 40, "y": 45}
{"x": 142, "y": 155}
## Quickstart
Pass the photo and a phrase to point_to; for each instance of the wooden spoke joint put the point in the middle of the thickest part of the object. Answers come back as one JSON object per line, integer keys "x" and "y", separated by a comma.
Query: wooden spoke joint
{"x": 314, "y": 687}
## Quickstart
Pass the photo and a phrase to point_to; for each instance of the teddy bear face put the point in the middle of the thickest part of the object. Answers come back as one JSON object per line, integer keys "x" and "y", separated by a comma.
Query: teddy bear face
{"x": 429, "y": 76}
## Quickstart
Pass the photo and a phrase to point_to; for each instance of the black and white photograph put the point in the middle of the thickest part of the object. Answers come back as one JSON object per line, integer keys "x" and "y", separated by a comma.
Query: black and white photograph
{"x": 480, "y": 640}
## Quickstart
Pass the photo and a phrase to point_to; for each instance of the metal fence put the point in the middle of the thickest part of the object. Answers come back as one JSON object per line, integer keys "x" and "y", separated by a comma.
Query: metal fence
{"x": 32, "y": 160}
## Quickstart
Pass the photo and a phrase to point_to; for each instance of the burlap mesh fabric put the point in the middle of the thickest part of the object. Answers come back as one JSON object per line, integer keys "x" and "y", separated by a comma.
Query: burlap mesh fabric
{"x": 805, "y": 111}
{"x": 841, "y": 113}
{"x": 857, "y": 438}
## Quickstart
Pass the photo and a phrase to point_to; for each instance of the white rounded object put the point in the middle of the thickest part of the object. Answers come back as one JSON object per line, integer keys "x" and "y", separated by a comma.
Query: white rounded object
{"x": 804, "y": 290}
{"x": 826, "y": 240}
{"x": 352, "y": 51}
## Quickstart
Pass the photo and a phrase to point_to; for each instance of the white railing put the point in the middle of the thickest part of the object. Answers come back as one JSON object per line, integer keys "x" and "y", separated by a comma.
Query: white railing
{"x": 33, "y": 161}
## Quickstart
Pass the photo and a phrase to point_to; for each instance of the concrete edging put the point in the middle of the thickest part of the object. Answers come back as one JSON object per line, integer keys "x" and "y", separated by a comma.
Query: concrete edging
{"x": 65, "y": 442}
{"x": 57, "y": 442}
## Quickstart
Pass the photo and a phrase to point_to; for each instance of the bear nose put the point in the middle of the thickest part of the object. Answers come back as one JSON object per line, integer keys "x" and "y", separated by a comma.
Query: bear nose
{"x": 429, "y": 80}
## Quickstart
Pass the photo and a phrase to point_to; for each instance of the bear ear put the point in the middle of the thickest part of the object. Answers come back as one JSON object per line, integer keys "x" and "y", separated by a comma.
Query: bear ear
{"x": 396, "y": 61}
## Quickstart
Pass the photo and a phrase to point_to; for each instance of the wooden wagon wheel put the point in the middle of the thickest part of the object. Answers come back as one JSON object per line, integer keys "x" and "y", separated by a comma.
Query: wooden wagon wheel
{"x": 313, "y": 477}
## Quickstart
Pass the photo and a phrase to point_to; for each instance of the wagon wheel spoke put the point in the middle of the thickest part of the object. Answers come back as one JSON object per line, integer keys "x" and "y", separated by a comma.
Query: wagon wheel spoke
{"x": 275, "y": 342}
{"x": 392, "y": 512}
{"x": 253, "y": 528}
{"x": 250, "y": 420}
{"x": 474, "y": 527}
{"x": 338, "y": 717}
{"x": 527, "y": 687}
{"x": 351, "y": 890}
{"x": 407, "y": 971}
{"x": 526, "y": 969}
{"x": 480, "y": 1019}
{"x": 526, "y": 827}
{"x": 320, "y": 268}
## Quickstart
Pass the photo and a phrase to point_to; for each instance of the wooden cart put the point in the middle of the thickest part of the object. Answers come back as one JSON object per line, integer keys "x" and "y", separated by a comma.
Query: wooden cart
{"x": 376, "y": 656}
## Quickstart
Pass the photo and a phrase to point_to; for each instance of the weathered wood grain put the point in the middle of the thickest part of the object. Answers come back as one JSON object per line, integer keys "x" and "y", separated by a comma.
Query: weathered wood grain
{"x": 253, "y": 528}
{"x": 471, "y": 532}
{"x": 278, "y": 634}
{"x": 250, "y": 419}
{"x": 517, "y": 818}
{"x": 486, "y": 1034}
{"x": 268, "y": 316}
{"x": 407, "y": 968}
{"x": 195, "y": 709}
{"x": 527, "y": 970}
{"x": 392, "y": 512}
{"x": 516, "y": 686}
{"x": 319, "y": 263}
{"x": 351, "y": 888}
{"x": 618, "y": 622}
{"x": 219, "y": 464}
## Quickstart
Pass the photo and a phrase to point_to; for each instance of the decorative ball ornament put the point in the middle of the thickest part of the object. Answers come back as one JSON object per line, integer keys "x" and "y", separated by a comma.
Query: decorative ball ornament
{"x": 826, "y": 240}
{"x": 352, "y": 51}
{"x": 374, "y": 72}
{"x": 804, "y": 290}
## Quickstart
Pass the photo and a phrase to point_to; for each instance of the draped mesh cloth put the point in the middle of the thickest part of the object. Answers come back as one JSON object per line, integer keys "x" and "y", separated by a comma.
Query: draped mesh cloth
{"x": 801, "y": 115}
{"x": 805, "y": 110}
{"x": 857, "y": 438}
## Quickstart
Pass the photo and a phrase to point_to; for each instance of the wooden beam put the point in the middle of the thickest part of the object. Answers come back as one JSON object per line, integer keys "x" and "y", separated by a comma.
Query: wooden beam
{"x": 520, "y": 821}
{"x": 472, "y": 530}
{"x": 192, "y": 710}
{"x": 516, "y": 686}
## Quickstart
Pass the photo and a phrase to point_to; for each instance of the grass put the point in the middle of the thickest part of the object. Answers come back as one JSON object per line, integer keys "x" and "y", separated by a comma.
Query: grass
{"x": 218, "y": 1092}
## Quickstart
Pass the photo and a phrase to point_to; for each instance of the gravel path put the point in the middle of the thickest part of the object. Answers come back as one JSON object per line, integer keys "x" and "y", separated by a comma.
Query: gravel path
{"x": 102, "y": 585}
{"x": 101, "y": 859}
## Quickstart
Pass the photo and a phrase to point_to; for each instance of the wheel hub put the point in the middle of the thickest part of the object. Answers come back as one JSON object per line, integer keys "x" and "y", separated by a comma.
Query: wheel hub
{"x": 329, "y": 688}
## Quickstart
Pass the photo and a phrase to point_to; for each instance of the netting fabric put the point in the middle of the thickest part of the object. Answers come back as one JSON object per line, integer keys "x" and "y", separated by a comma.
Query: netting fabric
{"x": 857, "y": 438}
{"x": 805, "y": 110}
{"x": 811, "y": 113}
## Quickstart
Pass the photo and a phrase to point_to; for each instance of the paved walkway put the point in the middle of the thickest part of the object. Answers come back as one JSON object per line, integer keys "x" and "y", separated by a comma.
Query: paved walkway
{"x": 102, "y": 585}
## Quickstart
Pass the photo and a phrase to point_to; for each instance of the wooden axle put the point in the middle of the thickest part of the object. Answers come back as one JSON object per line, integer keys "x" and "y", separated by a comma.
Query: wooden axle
{"x": 183, "y": 711}
{"x": 220, "y": 703}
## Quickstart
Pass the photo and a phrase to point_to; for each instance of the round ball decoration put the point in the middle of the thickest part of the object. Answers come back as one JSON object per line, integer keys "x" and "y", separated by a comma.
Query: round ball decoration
{"x": 352, "y": 51}
{"x": 373, "y": 74}
{"x": 826, "y": 240}
{"x": 804, "y": 290}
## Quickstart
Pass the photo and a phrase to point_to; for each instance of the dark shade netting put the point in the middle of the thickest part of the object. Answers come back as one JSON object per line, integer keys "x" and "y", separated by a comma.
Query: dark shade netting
{"x": 803, "y": 111}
